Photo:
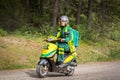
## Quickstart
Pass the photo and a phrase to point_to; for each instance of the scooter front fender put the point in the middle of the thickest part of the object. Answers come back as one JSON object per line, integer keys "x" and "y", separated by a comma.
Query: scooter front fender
{"x": 43, "y": 62}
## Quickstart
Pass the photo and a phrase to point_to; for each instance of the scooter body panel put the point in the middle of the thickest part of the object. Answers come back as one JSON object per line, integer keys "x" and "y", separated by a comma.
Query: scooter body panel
{"x": 50, "y": 50}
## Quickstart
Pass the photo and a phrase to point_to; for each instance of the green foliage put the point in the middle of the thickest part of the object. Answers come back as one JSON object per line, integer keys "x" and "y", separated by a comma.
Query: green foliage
{"x": 46, "y": 29}
{"x": 104, "y": 50}
{"x": 11, "y": 16}
{"x": 87, "y": 35}
{"x": 105, "y": 15}
{"x": 115, "y": 54}
{"x": 115, "y": 33}
{"x": 29, "y": 31}
{"x": 3, "y": 32}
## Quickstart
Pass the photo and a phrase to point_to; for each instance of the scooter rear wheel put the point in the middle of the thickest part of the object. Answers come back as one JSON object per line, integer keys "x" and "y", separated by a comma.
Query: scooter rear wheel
{"x": 70, "y": 73}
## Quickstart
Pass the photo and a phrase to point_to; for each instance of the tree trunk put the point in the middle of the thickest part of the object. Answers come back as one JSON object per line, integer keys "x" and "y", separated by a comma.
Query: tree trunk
{"x": 41, "y": 7}
{"x": 28, "y": 4}
{"x": 79, "y": 5}
{"x": 54, "y": 10}
{"x": 102, "y": 17}
{"x": 103, "y": 9}
{"x": 90, "y": 2}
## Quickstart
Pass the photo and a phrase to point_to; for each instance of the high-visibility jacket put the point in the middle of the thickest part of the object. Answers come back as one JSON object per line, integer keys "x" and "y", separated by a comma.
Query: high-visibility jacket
{"x": 67, "y": 33}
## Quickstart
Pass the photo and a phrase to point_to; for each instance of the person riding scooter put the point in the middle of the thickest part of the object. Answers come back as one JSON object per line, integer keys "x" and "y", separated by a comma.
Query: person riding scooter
{"x": 66, "y": 43}
{"x": 59, "y": 54}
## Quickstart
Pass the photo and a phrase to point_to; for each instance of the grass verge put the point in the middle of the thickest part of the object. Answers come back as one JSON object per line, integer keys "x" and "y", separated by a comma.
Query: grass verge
{"x": 20, "y": 52}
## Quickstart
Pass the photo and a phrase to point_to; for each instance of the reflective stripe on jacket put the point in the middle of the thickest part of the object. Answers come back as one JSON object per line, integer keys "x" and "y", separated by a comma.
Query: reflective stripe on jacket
{"x": 68, "y": 37}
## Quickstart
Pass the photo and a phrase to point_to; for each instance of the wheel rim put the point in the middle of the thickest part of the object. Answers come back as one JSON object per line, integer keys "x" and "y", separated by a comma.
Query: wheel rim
{"x": 70, "y": 72}
{"x": 43, "y": 70}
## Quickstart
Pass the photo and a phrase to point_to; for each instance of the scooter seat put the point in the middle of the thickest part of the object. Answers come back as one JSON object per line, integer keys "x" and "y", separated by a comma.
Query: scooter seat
{"x": 67, "y": 52}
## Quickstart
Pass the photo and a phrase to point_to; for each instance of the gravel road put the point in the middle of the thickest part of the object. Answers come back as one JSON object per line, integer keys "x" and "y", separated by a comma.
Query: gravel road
{"x": 88, "y": 71}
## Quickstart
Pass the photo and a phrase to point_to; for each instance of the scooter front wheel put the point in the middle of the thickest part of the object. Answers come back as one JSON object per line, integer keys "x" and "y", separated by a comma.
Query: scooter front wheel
{"x": 42, "y": 70}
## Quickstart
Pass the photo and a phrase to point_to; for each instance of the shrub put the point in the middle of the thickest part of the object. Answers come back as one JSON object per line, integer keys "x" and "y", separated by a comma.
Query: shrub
{"x": 3, "y": 32}
{"x": 30, "y": 31}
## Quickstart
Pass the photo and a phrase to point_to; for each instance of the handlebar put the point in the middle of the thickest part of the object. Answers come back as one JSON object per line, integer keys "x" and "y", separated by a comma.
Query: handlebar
{"x": 54, "y": 39}
{"x": 58, "y": 40}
